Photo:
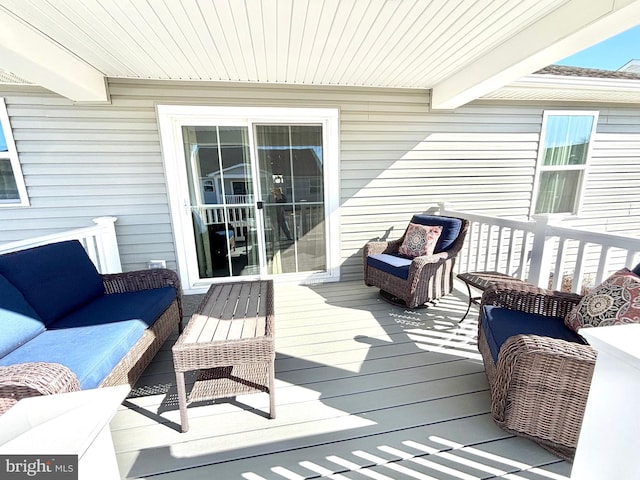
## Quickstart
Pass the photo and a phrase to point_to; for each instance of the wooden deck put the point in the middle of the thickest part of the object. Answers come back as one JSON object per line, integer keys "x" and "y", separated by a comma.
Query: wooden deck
{"x": 364, "y": 390}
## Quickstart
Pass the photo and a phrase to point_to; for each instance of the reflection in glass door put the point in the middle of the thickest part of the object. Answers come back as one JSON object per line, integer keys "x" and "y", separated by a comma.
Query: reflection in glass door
{"x": 221, "y": 200}
{"x": 290, "y": 161}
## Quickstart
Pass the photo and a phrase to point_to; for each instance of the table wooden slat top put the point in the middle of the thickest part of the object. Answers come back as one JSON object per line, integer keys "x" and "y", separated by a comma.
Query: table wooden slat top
{"x": 229, "y": 312}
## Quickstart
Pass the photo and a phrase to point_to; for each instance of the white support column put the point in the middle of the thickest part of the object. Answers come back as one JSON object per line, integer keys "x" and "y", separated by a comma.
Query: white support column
{"x": 107, "y": 245}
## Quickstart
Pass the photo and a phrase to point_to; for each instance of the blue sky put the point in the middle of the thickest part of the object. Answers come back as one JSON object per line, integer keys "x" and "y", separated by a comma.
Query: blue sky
{"x": 610, "y": 54}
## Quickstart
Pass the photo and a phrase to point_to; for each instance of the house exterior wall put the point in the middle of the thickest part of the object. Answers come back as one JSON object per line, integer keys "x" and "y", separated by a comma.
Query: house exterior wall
{"x": 397, "y": 158}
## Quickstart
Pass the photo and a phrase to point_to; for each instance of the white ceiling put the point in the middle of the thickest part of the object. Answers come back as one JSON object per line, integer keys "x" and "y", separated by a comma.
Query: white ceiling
{"x": 459, "y": 48}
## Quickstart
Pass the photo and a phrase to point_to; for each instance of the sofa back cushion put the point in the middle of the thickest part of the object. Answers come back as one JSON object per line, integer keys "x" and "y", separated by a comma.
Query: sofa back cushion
{"x": 55, "y": 279}
{"x": 19, "y": 323}
{"x": 450, "y": 229}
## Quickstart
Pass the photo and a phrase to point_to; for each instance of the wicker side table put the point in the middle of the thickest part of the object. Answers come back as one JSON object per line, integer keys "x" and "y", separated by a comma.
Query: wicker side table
{"x": 481, "y": 281}
{"x": 230, "y": 339}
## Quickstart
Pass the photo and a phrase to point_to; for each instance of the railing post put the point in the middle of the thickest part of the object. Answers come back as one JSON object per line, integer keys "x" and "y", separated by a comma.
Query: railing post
{"x": 107, "y": 245}
{"x": 541, "y": 251}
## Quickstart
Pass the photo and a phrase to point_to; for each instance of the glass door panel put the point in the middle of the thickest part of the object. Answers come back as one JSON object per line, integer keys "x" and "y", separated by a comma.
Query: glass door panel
{"x": 290, "y": 163}
{"x": 221, "y": 200}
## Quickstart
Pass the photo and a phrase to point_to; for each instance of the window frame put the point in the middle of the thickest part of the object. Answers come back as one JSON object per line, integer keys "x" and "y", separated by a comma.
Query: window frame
{"x": 12, "y": 155}
{"x": 583, "y": 168}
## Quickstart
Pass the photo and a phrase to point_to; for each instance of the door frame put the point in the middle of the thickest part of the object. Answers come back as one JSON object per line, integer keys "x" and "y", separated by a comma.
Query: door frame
{"x": 171, "y": 118}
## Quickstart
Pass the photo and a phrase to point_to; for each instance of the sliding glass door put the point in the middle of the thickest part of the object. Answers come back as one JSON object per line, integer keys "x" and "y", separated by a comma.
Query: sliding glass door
{"x": 290, "y": 160}
{"x": 250, "y": 197}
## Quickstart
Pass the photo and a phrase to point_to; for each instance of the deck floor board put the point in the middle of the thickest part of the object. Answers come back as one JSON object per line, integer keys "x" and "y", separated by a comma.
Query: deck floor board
{"x": 363, "y": 390}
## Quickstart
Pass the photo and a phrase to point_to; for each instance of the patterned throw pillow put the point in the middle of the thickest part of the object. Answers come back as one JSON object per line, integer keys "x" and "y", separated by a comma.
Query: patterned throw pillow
{"x": 615, "y": 301}
{"x": 420, "y": 240}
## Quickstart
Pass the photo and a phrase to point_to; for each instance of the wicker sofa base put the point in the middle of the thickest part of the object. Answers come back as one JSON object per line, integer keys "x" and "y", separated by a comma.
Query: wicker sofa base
{"x": 129, "y": 369}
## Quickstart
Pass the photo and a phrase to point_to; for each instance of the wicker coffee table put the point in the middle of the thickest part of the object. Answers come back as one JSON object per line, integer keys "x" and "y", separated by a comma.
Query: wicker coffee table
{"x": 230, "y": 340}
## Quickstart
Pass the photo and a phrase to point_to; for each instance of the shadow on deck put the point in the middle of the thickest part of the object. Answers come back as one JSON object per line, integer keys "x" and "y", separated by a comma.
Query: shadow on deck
{"x": 363, "y": 390}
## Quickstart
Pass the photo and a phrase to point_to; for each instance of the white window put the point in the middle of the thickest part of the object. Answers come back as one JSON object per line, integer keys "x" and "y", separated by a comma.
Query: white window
{"x": 563, "y": 157}
{"x": 13, "y": 192}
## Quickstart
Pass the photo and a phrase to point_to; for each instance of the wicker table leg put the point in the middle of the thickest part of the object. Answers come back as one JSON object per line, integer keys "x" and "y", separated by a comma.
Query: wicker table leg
{"x": 182, "y": 401}
{"x": 272, "y": 392}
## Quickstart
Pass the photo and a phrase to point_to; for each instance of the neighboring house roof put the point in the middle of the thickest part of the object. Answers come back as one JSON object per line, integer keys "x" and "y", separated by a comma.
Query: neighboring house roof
{"x": 566, "y": 71}
{"x": 459, "y": 50}
{"x": 574, "y": 84}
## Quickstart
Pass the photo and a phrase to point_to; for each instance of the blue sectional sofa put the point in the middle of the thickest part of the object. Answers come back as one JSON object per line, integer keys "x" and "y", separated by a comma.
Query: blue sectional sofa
{"x": 57, "y": 313}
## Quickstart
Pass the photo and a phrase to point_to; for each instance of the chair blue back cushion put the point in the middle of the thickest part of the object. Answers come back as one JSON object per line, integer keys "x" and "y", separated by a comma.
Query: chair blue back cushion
{"x": 636, "y": 269}
{"x": 93, "y": 339}
{"x": 397, "y": 266}
{"x": 499, "y": 324}
{"x": 55, "y": 279}
{"x": 19, "y": 323}
{"x": 450, "y": 229}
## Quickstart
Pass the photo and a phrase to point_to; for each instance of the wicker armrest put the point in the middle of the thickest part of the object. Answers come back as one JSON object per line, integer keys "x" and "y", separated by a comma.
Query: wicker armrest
{"x": 529, "y": 298}
{"x": 541, "y": 387}
{"x": 140, "y": 280}
{"x": 31, "y": 379}
{"x": 374, "y": 248}
{"x": 143, "y": 280}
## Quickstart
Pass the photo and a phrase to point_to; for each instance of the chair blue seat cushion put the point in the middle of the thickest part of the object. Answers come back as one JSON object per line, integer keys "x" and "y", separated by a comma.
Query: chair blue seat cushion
{"x": 55, "y": 279}
{"x": 19, "y": 323}
{"x": 500, "y": 323}
{"x": 450, "y": 229}
{"x": 392, "y": 264}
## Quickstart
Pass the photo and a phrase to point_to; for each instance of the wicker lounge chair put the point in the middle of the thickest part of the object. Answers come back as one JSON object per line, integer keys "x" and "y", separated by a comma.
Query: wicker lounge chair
{"x": 413, "y": 282}
{"x": 539, "y": 384}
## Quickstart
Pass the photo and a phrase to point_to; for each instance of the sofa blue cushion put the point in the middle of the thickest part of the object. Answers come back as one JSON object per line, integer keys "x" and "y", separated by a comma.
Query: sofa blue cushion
{"x": 392, "y": 264}
{"x": 55, "y": 279}
{"x": 90, "y": 352}
{"x": 636, "y": 269}
{"x": 499, "y": 324}
{"x": 144, "y": 307}
{"x": 450, "y": 229}
{"x": 19, "y": 323}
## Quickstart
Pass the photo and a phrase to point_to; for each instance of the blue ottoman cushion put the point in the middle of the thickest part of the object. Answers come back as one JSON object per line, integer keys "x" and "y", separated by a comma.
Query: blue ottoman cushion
{"x": 19, "y": 323}
{"x": 392, "y": 264}
{"x": 499, "y": 324}
{"x": 450, "y": 229}
{"x": 55, "y": 279}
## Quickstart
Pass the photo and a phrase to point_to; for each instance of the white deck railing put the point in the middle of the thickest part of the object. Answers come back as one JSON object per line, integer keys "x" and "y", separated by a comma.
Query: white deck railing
{"x": 541, "y": 252}
{"x": 99, "y": 241}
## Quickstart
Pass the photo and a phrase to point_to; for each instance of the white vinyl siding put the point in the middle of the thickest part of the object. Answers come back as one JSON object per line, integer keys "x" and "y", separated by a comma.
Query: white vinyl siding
{"x": 396, "y": 158}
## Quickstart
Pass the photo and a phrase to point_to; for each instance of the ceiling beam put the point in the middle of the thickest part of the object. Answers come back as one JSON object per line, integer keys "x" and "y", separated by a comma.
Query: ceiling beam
{"x": 576, "y": 25}
{"x": 36, "y": 58}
